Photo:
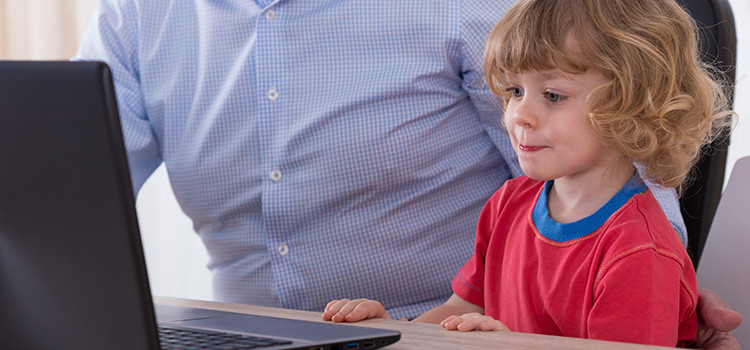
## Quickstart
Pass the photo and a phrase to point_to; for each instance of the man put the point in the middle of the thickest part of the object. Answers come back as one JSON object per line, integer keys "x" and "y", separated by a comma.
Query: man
{"x": 314, "y": 142}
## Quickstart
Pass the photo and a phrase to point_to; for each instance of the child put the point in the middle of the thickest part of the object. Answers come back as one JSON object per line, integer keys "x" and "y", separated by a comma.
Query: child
{"x": 580, "y": 247}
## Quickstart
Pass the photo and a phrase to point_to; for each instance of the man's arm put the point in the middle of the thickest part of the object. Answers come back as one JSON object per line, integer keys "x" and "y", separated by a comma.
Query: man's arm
{"x": 112, "y": 37}
{"x": 669, "y": 203}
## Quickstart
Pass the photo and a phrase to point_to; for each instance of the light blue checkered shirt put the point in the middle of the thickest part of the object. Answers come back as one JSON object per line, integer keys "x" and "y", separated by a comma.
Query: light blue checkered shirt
{"x": 323, "y": 149}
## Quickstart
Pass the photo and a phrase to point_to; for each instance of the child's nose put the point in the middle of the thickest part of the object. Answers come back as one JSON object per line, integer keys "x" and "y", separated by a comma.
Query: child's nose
{"x": 524, "y": 114}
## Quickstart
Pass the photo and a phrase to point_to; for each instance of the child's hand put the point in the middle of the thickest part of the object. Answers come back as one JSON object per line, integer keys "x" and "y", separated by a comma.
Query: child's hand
{"x": 472, "y": 321}
{"x": 346, "y": 310}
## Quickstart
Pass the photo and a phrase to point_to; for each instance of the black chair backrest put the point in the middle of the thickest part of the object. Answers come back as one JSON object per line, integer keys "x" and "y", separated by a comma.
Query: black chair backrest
{"x": 700, "y": 198}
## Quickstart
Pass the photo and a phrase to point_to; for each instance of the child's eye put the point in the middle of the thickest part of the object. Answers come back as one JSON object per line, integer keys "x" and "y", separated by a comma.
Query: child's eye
{"x": 515, "y": 92}
{"x": 553, "y": 97}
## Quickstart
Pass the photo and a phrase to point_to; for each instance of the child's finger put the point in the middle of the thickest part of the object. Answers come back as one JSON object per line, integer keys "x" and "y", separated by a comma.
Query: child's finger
{"x": 360, "y": 312}
{"x": 367, "y": 309}
{"x": 492, "y": 325}
{"x": 451, "y": 322}
{"x": 330, "y": 304}
{"x": 462, "y": 323}
{"x": 480, "y": 322}
{"x": 470, "y": 323}
{"x": 345, "y": 310}
{"x": 333, "y": 308}
{"x": 336, "y": 304}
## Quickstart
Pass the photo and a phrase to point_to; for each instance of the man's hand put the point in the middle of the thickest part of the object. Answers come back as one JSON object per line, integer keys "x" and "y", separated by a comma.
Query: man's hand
{"x": 716, "y": 322}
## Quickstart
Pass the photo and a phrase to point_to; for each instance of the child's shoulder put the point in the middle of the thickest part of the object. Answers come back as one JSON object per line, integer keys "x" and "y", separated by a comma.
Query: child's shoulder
{"x": 642, "y": 222}
{"x": 517, "y": 189}
{"x": 514, "y": 193}
{"x": 641, "y": 231}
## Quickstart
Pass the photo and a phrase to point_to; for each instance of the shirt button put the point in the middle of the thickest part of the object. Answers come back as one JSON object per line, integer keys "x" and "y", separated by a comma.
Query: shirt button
{"x": 270, "y": 15}
{"x": 276, "y": 175}
{"x": 283, "y": 249}
{"x": 273, "y": 94}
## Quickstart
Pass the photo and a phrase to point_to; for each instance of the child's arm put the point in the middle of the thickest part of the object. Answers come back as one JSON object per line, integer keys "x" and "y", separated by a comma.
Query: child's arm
{"x": 461, "y": 315}
{"x": 454, "y": 314}
{"x": 346, "y": 310}
{"x": 454, "y": 306}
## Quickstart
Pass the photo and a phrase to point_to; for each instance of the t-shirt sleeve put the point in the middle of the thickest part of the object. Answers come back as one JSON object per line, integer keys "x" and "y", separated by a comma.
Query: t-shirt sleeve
{"x": 469, "y": 281}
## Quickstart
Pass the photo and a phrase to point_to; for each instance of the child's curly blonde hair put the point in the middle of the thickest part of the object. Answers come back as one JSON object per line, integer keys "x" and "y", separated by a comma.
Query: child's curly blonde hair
{"x": 660, "y": 103}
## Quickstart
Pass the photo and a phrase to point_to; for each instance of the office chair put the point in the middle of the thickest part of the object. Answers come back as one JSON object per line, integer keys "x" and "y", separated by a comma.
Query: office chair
{"x": 718, "y": 42}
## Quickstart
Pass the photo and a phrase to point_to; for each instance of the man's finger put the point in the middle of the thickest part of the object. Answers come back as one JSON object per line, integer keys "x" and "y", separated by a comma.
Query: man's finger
{"x": 716, "y": 313}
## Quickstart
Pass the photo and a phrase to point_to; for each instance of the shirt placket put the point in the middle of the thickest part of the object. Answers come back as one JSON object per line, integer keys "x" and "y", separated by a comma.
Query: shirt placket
{"x": 272, "y": 99}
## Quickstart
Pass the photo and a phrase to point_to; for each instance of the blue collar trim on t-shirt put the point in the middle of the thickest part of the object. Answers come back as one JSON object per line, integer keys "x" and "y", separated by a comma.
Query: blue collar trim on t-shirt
{"x": 558, "y": 232}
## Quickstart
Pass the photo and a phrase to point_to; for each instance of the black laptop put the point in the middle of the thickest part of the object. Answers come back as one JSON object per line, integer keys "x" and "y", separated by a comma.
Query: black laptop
{"x": 72, "y": 271}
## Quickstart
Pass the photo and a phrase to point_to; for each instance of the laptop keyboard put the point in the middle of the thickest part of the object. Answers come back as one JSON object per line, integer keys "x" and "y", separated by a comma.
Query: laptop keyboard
{"x": 185, "y": 339}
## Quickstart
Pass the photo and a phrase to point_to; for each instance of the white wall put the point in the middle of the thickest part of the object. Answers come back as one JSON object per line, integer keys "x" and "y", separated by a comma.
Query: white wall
{"x": 740, "y": 142}
{"x": 175, "y": 255}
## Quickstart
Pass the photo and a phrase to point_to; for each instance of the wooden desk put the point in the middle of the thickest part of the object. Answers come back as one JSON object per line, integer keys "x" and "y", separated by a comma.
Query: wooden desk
{"x": 427, "y": 336}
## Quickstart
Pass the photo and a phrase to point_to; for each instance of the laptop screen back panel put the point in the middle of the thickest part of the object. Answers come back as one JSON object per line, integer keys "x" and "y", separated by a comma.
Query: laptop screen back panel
{"x": 64, "y": 185}
{"x": 72, "y": 271}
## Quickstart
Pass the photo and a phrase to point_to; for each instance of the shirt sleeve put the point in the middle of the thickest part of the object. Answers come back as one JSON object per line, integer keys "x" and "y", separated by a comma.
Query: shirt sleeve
{"x": 670, "y": 204}
{"x": 634, "y": 300}
{"x": 111, "y": 37}
{"x": 477, "y": 21}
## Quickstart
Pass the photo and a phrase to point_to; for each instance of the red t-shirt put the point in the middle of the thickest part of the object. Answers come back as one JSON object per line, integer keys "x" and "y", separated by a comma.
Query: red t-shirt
{"x": 627, "y": 279}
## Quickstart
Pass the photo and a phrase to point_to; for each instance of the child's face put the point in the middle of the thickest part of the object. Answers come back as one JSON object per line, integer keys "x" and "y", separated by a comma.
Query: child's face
{"x": 546, "y": 120}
